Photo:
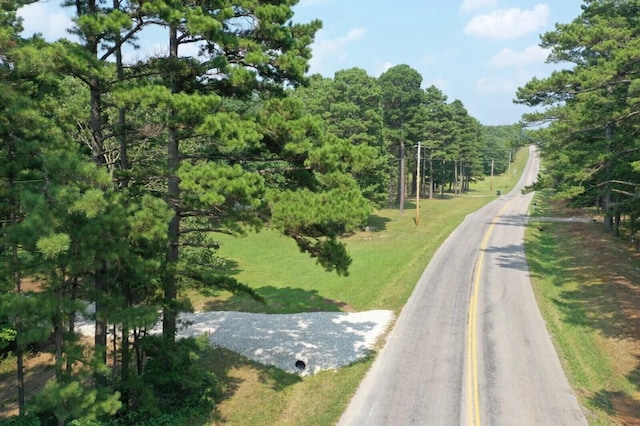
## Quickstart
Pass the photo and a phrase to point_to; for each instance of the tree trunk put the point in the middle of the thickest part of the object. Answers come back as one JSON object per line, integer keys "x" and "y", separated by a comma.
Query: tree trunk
{"x": 98, "y": 154}
{"x": 455, "y": 178}
{"x": 122, "y": 137}
{"x": 13, "y": 219}
{"x": 173, "y": 195}
{"x": 443, "y": 178}
{"x": 19, "y": 331}
{"x": 390, "y": 187}
{"x": 401, "y": 179}
{"x": 431, "y": 179}
{"x": 465, "y": 178}
{"x": 125, "y": 349}
{"x": 71, "y": 325}
{"x": 58, "y": 331}
{"x": 100, "y": 339}
{"x": 633, "y": 225}
{"x": 137, "y": 332}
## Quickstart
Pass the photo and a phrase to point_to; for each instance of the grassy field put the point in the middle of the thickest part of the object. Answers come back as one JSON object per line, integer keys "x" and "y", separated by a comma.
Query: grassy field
{"x": 586, "y": 284}
{"x": 387, "y": 263}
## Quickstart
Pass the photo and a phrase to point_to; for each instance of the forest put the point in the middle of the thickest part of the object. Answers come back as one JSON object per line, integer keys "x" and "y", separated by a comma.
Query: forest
{"x": 116, "y": 178}
{"x": 587, "y": 113}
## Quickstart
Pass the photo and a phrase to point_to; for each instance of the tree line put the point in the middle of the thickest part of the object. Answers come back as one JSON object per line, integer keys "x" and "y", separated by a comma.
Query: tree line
{"x": 589, "y": 112}
{"x": 116, "y": 177}
{"x": 389, "y": 116}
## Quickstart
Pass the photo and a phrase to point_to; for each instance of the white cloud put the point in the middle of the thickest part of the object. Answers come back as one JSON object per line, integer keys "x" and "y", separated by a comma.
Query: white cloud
{"x": 494, "y": 85}
{"x": 510, "y": 58}
{"x": 323, "y": 49}
{"x": 469, "y": 5}
{"x": 382, "y": 68}
{"x": 46, "y": 18}
{"x": 331, "y": 45}
{"x": 503, "y": 83}
{"x": 508, "y": 23}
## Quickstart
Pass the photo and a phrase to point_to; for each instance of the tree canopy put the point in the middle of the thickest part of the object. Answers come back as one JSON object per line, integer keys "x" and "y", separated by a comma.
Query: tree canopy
{"x": 590, "y": 146}
{"x": 118, "y": 177}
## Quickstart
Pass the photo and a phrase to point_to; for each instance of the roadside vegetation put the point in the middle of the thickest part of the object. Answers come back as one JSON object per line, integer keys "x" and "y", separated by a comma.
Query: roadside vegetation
{"x": 586, "y": 284}
{"x": 586, "y": 273}
{"x": 120, "y": 184}
{"x": 120, "y": 179}
{"x": 388, "y": 261}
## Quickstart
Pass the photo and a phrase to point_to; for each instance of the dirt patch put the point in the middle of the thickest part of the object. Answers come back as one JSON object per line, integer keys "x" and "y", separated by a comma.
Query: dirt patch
{"x": 626, "y": 410}
{"x": 38, "y": 370}
{"x": 28, "y": 284}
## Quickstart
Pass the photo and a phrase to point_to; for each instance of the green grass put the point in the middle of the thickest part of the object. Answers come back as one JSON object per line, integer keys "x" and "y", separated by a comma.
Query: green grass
{"x": 387, "y": 263}
{"x": 582, "y": 314}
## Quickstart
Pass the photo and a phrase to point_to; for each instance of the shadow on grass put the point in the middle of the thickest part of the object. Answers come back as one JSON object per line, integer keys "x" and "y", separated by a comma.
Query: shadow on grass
{"x": 234, "y": 370}
{"x": 624, "y": 409}
{"x": 543, "y": 260}
{"x": 237, "y": 374}
{"x": 284, "y": 300}
{"x": 377, "y": 223}
{"x": 230, "y": 268}
{"x": 606, "y": 300}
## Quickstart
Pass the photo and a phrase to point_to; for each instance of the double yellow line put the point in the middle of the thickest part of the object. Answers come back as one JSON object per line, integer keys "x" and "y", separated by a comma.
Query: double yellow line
{"x": 473, "y": 398}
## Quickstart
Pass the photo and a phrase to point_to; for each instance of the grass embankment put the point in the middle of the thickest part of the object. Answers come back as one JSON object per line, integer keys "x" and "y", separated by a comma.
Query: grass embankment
{"x": 587, "y": 286}
{"x": 388, "y": 260}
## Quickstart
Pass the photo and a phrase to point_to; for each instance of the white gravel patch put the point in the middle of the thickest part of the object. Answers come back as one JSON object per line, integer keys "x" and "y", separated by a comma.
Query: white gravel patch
{"x": 321, "y": 340}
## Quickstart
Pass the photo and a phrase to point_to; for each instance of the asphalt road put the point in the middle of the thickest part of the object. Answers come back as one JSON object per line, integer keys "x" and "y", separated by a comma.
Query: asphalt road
{"x": 470, "y": 346}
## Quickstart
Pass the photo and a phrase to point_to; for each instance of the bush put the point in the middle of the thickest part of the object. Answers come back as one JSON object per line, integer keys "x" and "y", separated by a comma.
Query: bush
{"x": 7, "y": 336}
{"x": 26, "y": 420}
{"x": 172, "y": 388}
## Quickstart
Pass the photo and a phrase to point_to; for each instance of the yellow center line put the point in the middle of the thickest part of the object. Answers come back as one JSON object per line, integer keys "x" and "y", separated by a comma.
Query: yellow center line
{"x": 473, "y": 400}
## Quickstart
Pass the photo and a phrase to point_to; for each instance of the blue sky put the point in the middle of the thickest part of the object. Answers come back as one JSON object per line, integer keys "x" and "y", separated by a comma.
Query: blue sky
{"x": 477, "y": 51}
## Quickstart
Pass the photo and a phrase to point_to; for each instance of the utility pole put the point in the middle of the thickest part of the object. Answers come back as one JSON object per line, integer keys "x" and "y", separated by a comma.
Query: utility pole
{"x": 418, "y": 187}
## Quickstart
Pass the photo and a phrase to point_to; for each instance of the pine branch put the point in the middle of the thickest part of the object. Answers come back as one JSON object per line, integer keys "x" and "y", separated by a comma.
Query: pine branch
{"x": 213, "y": 230}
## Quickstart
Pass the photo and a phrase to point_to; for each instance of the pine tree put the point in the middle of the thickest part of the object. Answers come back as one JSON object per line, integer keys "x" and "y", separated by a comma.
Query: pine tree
{"x": 23, "y": 87}
{"x": 590, "y": 147}
{"x": 437, "y": 125}
{"x": 401, "y": 99}
{"x": 349, "y": 105}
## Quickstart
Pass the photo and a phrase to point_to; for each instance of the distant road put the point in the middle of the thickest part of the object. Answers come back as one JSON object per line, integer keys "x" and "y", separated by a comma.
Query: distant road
{"x": 470, "y": 346}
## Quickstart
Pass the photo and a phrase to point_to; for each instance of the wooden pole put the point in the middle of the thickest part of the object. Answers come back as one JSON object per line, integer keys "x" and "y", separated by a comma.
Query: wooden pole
{"x": 418, "y": 188}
